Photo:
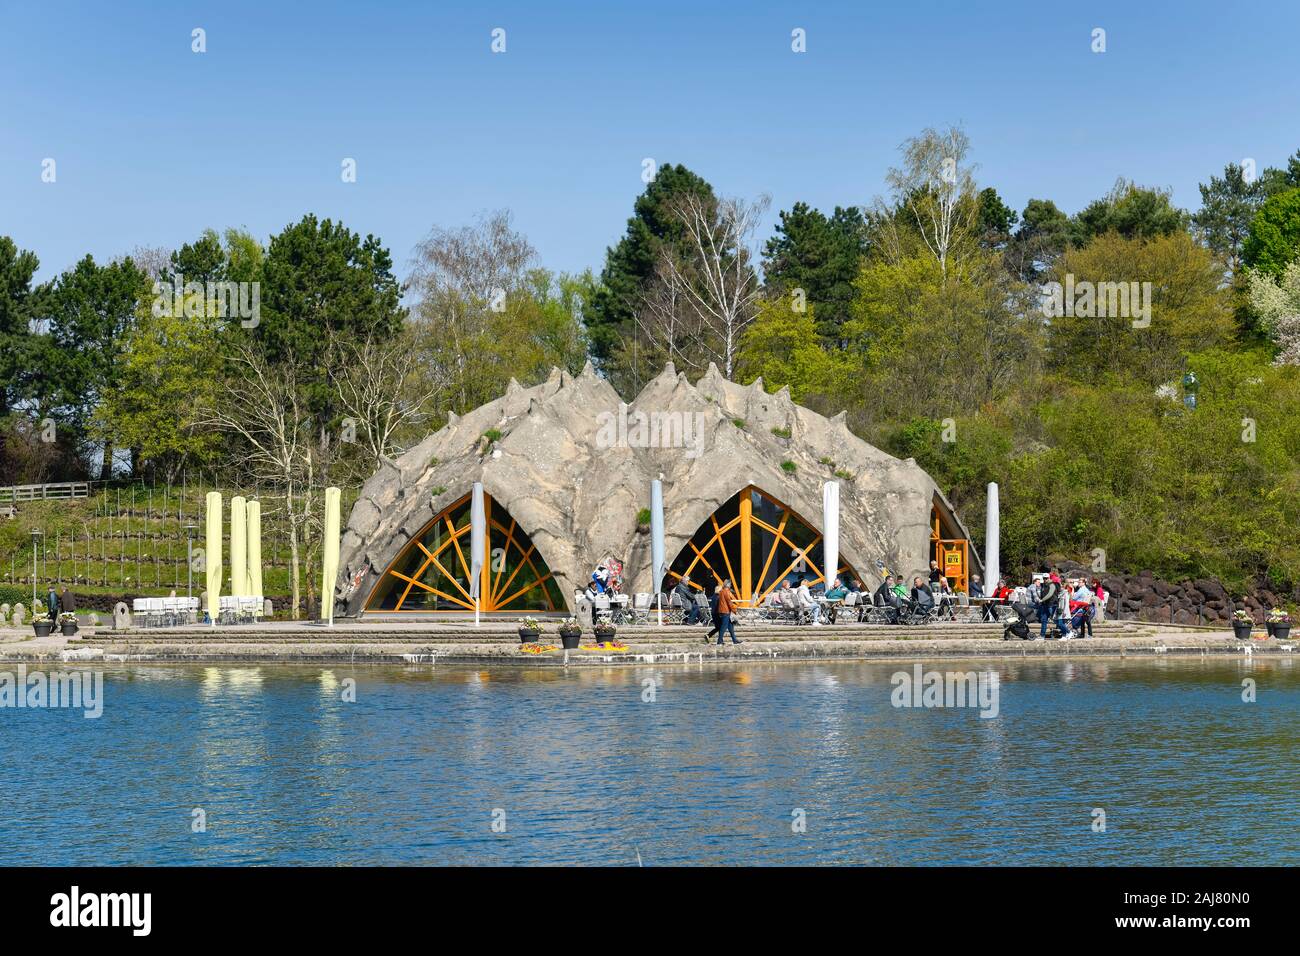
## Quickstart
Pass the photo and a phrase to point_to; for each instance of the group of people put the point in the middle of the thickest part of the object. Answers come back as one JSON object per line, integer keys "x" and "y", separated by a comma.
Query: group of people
{"x": 1072, "y": 603}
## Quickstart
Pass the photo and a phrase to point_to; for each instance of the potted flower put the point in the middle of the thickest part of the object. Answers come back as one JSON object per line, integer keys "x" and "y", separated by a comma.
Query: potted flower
{"x": 1242, "y": 623}
{"x": 529, "y": 629}
{"x": 1278, "y": 624}
{"x": 604, "y": 632}
{"x": 68, "y": 623}
{"x": 41, "y": 622}
{"x": 570, "y": 632}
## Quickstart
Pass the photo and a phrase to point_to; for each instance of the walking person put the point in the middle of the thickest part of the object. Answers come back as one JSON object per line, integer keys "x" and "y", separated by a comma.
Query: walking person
{"x": 726, "y": 606}
{"x": 52, "y": 604}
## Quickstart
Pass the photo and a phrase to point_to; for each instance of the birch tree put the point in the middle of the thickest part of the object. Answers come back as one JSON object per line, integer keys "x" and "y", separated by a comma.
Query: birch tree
{"x": 935, "y": 188}
{"x": 709, "y": 290}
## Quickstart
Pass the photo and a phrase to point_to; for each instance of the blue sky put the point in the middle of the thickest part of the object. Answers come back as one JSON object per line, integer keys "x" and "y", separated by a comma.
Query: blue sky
{"x": 153, "y": 142}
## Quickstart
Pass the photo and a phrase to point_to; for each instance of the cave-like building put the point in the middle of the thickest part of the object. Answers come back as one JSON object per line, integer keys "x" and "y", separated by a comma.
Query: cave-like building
{"x": 567, "y": 469}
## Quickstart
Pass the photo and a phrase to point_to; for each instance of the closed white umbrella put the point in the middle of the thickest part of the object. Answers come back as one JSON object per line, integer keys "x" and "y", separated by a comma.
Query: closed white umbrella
{"x": 212, "y": 555}
{"x": 992, "y": 542}
{"x": 830, "y": 531}
{"x": 330, "y": 547}
{"x": 477, "y": 545}
{"x": 239, "y": 546}
{"x": 255, "y": 549}
{"x": 657, "y": 541}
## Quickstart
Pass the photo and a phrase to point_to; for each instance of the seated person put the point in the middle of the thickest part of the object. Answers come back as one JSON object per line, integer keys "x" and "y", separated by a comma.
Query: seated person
{"x": 806, "y": 600}
{"x": 836, "y": 591}
{"x": 921, "y": 595}
{"x": 686, "y": 594}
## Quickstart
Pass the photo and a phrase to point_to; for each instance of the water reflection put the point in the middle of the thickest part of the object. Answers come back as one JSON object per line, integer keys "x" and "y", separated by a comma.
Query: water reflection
{"x": 683, "y": 764}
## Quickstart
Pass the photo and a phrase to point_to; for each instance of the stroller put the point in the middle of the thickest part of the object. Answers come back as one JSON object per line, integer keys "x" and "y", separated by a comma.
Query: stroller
{"x": 1081, "y": 616}
{"x": 1018, "y": 620}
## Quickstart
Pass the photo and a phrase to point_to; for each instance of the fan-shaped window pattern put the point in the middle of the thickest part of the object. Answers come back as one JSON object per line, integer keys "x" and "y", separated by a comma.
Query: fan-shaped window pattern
{"x": 433, "y": 571}
{"x": 757, "y": 542}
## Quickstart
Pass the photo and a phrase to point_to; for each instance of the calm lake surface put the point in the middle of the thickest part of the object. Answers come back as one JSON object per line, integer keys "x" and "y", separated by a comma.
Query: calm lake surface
{"x": 581, "y": 769}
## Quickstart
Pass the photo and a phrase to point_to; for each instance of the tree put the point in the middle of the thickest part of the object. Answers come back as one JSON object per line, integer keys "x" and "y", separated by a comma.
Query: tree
{"x": 17, "y": 310}
{"x": 712, "y": 277}
{"x": 935, "y": 190}
{"x": 996, "y": 219}
{"x": 630, "y": 268}
{"x": 1135, "y": 212}
{"x": 486, "y": 313}
{"x": 90, "y": 308}
{"x": 1189, "y": 309}
{"x": 783, "y": 348}
{"x": 1043, "y": 234}
{"x": 166, "y": 373}
{"x": 1228, "y": 205}
{"x": 1278, "y": 306}
{"x": 820, "y": 255}
{"x": 1274, "y": 238}
{"x": 321, "y": 280}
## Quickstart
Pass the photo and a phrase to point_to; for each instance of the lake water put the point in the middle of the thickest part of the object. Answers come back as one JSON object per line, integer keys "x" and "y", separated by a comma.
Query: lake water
{"x": 775, "y": 763}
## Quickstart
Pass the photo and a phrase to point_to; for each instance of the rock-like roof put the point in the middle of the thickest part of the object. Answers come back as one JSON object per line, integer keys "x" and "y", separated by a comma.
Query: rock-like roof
{"x": 578, "y": 497}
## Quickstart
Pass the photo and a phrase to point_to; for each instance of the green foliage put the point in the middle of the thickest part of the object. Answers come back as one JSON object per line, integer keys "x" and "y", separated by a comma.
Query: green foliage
{"x": 820, "y": 255}
{"x": 782, "y": 346}
{"x": 738, "y": 422}
{"x": 630, "y": 265}
{"x": 17, "y": 309}
{"x": 1190, "y": 310}
{"x": 781, "y": 432}
{"x": 789, "y": 467}
{"x": 643, "y": 517}
{"x": 1274, "y": 238}
{"x": 1135, "y": 212}
{"x": 492, "y": 435}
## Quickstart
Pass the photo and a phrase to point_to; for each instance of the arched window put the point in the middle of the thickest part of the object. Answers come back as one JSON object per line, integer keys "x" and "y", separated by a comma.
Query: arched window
{"x": 757, "y": 542}
{"x": 432, "y": 573}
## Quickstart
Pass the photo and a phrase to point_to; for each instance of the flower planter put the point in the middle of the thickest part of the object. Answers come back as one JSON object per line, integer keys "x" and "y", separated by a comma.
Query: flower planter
{"x": 527, "y": 634}
{"x": 569, "y": 639}
{"x": 1242, "y": 630}
{"x": 604, "y": 634}
{"x": 69, "y": 628}
{"x": 1268, "y": 627}
{"x": 1282, "y": 631}
{"x": 42, "y": 628}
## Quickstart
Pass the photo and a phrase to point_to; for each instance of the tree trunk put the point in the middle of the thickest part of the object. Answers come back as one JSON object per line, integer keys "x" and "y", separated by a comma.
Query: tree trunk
{"x": 293, "y": 566}
{"x": 106, "y": 467}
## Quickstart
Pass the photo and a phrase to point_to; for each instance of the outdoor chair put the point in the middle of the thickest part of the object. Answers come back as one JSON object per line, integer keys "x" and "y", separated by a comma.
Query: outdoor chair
{"x": 641, "y": 609}
{"x": 848, "y": 610}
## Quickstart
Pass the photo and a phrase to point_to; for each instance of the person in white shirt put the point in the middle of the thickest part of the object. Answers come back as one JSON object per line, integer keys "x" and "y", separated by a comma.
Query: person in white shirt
{"x": 805, "y": 599}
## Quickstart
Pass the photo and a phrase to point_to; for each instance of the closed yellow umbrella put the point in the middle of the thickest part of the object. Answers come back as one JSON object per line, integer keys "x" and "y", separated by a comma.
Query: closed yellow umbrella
{"x": 255, "y": 549}
{"x": 212, "y": 555}
{"x": 239, "y": 546}
{"x": 330, "y": 550}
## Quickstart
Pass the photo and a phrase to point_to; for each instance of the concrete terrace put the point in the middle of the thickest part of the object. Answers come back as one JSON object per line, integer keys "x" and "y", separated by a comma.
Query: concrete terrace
{"x": 497, "y": 643}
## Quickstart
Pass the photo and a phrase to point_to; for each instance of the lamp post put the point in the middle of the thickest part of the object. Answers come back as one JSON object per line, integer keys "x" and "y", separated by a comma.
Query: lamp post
{"x": 35, "y": 534}
{"x": 189, "y": 561}
{"x": 1190, "y": 384}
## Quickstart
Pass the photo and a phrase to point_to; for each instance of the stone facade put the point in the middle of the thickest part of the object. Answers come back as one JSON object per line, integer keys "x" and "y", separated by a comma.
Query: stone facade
{"x": 578, "y": 498}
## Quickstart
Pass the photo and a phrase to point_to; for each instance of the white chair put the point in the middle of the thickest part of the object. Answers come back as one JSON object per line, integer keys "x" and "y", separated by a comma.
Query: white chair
{"x": 140, "y": 610}
{"x": 641, "y": 608}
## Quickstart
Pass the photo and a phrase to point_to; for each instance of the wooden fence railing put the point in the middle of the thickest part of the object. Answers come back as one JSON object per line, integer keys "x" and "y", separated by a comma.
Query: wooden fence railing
{"x": 62, "y": 489}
